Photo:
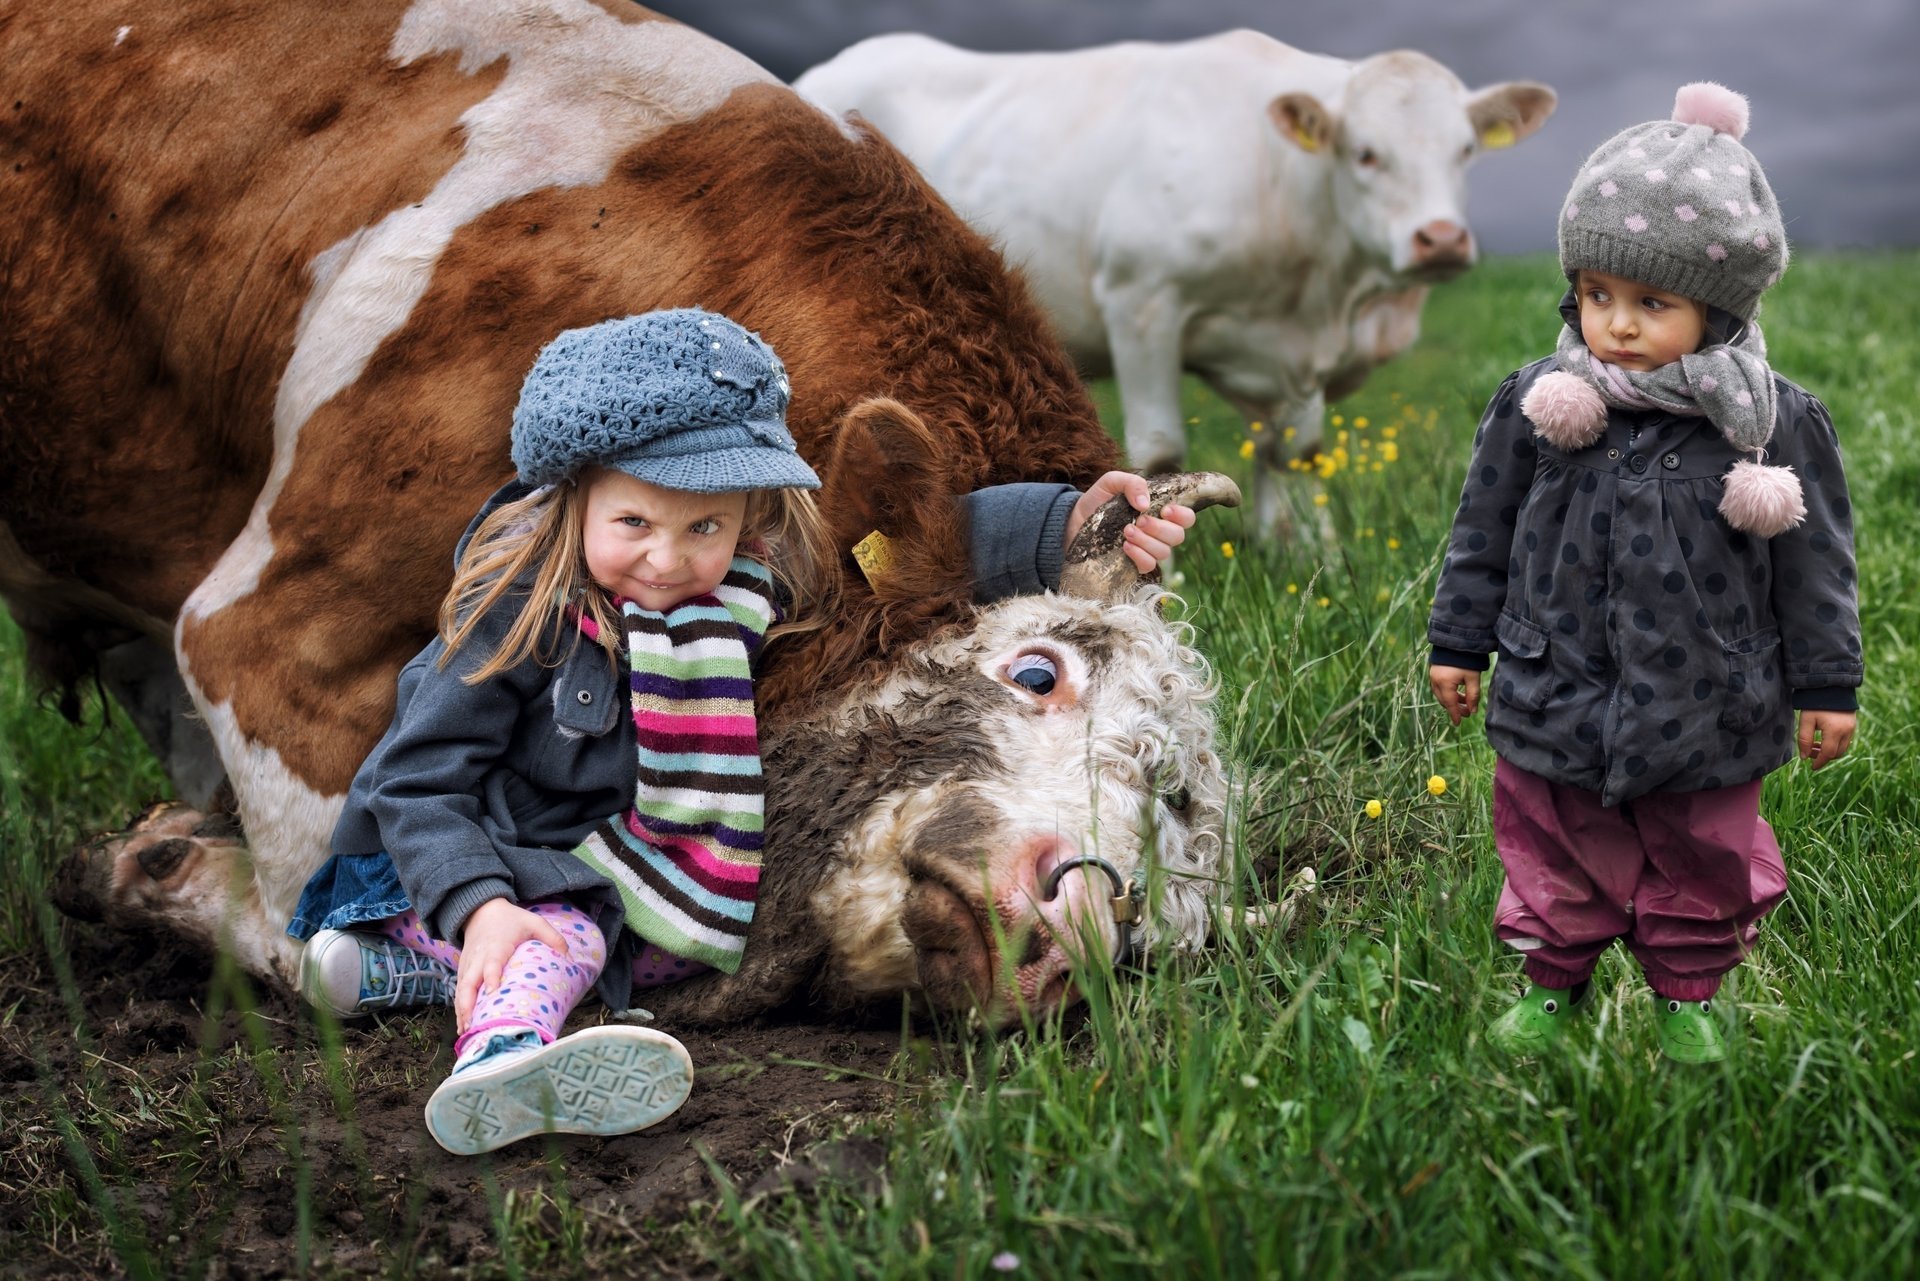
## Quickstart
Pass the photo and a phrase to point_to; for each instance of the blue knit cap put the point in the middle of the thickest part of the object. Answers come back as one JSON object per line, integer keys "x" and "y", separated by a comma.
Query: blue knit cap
{"x": 683, "y": 399}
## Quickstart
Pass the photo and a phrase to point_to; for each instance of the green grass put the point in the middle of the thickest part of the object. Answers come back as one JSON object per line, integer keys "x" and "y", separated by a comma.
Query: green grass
{"x": 1321, "y": 1102}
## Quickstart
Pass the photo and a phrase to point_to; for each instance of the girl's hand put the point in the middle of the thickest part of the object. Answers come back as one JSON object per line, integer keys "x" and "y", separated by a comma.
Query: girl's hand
{"x": 1150, "y": 539}
{"x": 1826, "y": 736}
{"x": 495, "y": 930}
{"x": 1457, "y": 688}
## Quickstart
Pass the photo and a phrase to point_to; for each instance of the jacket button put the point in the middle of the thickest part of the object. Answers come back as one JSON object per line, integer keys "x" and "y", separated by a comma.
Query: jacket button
{"x": 1670, "y": 462}
{"x": 1613, "y": 454}
{"x": 1638, "y": 462}
{"x": 585, "y": 696}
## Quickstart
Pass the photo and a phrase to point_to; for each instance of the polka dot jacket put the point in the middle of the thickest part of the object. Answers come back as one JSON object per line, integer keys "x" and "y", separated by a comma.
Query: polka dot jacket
{"x": 1643, "y": 643}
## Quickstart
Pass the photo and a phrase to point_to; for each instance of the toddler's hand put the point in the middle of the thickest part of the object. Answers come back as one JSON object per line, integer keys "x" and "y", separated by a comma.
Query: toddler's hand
{"x": 1457, "y": 688}
{"x": 1149, "y": 539}
{"x": 1826, "y": 736}
{"x": 494, "y": 931}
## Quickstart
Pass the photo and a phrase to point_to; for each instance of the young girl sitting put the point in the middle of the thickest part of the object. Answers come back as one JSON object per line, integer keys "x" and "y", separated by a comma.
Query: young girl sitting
{"x": 1661, "y": 597}
{"x": 659, "y": 526}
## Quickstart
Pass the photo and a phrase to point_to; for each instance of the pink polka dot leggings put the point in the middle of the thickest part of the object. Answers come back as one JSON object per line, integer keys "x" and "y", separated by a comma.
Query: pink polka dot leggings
{"x": 538, "y": 988}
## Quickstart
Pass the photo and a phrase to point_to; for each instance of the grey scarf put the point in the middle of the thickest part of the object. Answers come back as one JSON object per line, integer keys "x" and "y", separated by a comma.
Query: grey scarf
{"x": 1729, "y": 383}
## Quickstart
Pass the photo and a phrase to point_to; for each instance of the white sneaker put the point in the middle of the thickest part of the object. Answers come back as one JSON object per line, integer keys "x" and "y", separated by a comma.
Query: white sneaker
{"x": 351, "y": 973}
{"x": 602, "y": 1080}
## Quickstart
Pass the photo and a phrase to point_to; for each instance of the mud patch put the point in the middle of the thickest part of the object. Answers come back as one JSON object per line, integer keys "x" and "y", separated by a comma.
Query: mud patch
{"x": 152, "y": 1110}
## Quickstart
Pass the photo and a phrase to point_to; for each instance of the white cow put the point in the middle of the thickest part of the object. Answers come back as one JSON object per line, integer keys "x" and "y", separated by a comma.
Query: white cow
{"x": 1267, "y": 218}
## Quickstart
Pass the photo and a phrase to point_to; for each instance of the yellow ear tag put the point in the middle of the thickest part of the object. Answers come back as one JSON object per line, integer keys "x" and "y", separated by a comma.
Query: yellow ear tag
{"x": 1497, "y": 135}
{"x": 874, "y": 555}
{"x": 1306, "y": 140}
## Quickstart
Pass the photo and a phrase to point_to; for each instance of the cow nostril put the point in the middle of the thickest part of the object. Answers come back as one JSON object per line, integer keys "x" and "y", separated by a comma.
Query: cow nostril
{"x": 1043, "y": 869}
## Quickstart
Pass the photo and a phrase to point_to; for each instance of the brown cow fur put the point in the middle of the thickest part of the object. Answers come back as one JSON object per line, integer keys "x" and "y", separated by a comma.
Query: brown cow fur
{"x": 170, "y": 194}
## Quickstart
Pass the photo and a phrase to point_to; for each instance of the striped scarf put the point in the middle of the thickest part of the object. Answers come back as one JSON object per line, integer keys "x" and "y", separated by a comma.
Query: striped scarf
{"x": 686, "y": 857}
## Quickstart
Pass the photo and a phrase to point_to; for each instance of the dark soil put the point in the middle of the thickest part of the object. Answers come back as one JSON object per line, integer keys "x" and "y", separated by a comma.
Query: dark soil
{"x": 149, "y": 1126}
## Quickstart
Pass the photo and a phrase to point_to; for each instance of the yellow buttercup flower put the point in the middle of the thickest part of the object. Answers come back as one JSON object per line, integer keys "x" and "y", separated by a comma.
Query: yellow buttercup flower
{"x": 1375, "y": 809}
{"x": 1437, "y": 785}
{"x": 1246, "y": 449}
{"x": 1226, "y": 549}
{"x": 1393, "y": 544}
{"x": 1319, "y": 500}
{"x": 1293, "y": 589}
{"x": 1324, "y": 601}
{"x": 1338, "y": 420}
{"x": 1256, "y": 426}
{"x": 1361, "y": 423}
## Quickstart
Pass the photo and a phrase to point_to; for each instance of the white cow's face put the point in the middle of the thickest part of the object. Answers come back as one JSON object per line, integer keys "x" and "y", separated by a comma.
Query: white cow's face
{"x": 1400, "y": 138}
{"x": 1402, "y": 143}
{"x": 1055, "y": 728}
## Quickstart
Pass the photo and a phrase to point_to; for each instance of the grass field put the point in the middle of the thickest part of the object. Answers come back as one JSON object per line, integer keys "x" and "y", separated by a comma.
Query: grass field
{"x": 1315, "y": 1103}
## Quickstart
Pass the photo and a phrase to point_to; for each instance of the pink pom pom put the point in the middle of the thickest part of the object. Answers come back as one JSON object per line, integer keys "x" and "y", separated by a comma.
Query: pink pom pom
{"x": 1566, "y": 412}
{"x": 1719, "y": 108}
{"x": 1762, "y": 500}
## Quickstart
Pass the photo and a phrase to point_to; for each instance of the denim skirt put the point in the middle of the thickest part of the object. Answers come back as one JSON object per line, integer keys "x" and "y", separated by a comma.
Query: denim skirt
{"x": 348, "y": 890}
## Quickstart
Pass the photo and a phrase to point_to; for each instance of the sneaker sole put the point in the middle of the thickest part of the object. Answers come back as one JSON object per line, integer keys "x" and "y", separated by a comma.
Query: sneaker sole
{"x": 603, "y": 1080}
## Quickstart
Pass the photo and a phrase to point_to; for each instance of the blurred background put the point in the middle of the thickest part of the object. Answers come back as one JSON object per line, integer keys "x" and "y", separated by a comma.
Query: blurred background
{"x": 1836, "y": 112}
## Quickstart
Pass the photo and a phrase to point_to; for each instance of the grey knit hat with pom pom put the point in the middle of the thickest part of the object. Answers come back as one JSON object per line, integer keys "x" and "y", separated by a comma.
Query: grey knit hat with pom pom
{"x": 684, "y": 399}
{"x": 1681, "y": 205}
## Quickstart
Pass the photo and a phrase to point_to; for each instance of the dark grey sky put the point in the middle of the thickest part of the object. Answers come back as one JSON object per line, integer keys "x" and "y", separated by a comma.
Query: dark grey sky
{"x": 1836, "y": 98}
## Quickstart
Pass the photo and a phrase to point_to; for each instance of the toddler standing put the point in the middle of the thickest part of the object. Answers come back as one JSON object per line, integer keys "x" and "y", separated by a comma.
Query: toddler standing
{"x": 1656, "y": 538}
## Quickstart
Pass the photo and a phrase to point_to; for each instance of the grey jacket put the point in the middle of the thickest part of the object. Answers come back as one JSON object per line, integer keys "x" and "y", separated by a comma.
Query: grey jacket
{"x": 482, "y": 791}
{"x": 1646, "y": 645}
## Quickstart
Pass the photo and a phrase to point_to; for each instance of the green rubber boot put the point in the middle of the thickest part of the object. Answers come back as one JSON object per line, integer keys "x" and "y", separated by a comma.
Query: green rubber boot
{"x": 1538, "y": 1020}
{"x": 1689, "y": 1031}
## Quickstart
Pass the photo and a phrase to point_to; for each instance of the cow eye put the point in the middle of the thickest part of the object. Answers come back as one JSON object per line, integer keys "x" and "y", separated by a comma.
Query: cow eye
{"x": 1367, "y": 158}
{"x": 1178, "y": 799}
{"x": 1034, "y": 673}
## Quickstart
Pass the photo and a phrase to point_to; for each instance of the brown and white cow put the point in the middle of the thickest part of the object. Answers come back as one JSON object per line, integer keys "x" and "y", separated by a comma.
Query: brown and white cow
{"x": 270, "y": 278}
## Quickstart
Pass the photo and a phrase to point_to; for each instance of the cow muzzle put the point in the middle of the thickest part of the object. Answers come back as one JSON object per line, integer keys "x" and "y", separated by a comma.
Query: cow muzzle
{"x": 1127, "y": 904}
{"x": 1442, "y": 249}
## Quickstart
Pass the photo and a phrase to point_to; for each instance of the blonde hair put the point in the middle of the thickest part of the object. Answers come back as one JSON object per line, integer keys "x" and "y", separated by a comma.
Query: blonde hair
{"x": 543, "y": 535}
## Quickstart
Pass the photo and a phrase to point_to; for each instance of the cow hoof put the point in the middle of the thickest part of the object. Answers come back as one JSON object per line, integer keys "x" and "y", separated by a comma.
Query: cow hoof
{"x": 1280, "y": 918}
{"x": 128, "y": 873}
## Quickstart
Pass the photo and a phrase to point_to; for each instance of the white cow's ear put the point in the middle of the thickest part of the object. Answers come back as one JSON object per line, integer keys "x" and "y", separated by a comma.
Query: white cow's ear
{"x": 1505, "y": 113}
{"x": 1301, "y": 118}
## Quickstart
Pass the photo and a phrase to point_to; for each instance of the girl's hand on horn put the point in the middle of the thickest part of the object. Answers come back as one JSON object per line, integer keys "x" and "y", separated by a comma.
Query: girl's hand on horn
{"x": 1149, "y": 539}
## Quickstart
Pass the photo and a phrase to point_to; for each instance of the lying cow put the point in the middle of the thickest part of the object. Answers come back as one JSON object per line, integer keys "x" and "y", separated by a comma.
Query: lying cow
{"x": 271, "y": 277}
{"x": 1266, "y": 218}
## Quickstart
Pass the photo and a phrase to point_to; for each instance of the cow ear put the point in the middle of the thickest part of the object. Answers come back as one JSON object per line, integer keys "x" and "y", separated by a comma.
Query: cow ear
{"x": 1301, "y": 118}
{"x": 1505, "y": 113}
{"x": 884, "y": 469}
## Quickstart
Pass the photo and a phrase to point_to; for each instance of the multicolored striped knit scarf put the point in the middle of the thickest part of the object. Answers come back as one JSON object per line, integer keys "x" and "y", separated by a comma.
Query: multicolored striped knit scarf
{"x": 686, "y": 857}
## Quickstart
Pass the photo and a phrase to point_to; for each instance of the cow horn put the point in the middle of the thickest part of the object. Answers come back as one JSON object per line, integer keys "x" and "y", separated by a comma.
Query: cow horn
{"x": 1096, "y": 567}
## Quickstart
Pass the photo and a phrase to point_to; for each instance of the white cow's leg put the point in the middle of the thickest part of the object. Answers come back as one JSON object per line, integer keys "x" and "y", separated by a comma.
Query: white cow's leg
{"x": 1143, "y": 331}
{"x": 1281, "y": 502}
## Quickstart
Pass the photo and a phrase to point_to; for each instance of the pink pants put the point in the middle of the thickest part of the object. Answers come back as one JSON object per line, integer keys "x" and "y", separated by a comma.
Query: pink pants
{"x": 539, "y": 987}
{"x": 1683, "y": 877}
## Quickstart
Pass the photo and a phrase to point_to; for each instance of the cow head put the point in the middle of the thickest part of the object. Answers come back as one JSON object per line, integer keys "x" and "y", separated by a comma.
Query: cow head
{"x": 955, "y": 797}
{"x": 1398, "y": 141}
